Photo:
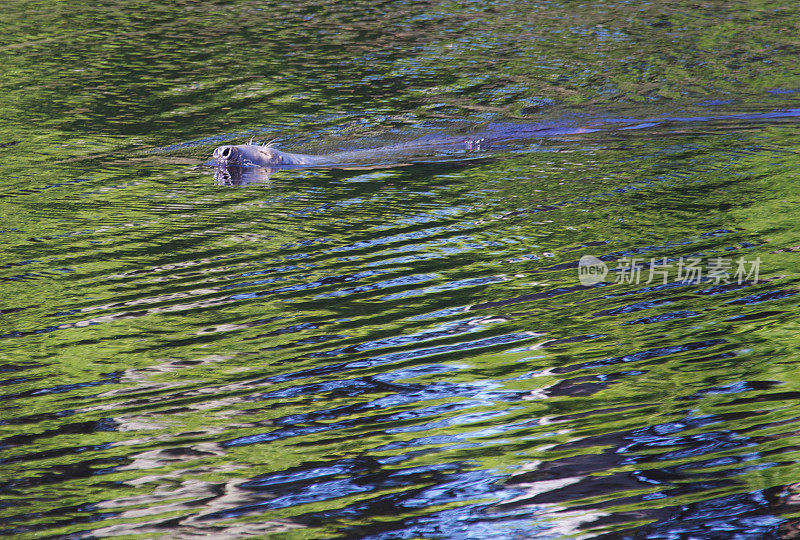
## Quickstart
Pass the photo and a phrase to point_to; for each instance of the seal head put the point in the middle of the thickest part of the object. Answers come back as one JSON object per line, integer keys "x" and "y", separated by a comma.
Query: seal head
{"x": 253, "y": 155}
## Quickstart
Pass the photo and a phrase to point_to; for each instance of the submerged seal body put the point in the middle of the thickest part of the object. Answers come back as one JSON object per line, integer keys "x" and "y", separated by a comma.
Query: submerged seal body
{"x": 241, "y": 161}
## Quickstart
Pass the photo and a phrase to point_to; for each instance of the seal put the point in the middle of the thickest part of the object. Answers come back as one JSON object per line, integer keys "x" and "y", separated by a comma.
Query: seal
{"x": 254, "y": 155}
{"x": 440, "y": 147}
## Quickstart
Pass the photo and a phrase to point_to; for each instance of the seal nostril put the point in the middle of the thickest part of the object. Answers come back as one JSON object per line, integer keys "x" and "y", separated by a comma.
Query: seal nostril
{"x": 226, "y": 152}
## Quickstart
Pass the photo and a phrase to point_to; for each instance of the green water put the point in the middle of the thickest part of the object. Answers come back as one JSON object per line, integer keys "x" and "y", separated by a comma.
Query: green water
{"x": 406, "y": 351}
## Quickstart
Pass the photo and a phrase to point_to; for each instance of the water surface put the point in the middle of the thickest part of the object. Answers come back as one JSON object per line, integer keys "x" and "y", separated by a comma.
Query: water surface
{"x": 404, "y": 351}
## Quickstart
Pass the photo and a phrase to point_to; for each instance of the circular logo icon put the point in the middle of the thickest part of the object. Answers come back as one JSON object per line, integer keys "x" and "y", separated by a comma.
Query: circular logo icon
{"x": 591, "y": 270}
